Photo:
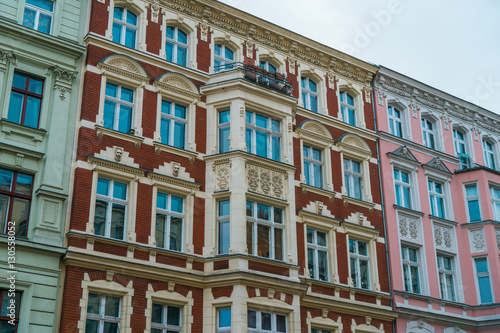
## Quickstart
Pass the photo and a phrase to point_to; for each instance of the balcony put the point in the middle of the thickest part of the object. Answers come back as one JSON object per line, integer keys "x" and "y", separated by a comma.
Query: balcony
{"x": 257, "y": 75}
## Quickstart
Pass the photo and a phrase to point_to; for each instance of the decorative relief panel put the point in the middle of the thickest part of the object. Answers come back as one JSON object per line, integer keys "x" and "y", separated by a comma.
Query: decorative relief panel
{"x": 477, "y": 240}
{"x": 409, "y": 228}
{"x": 265, "y": 180}
{"x": 222, "y": 176}
{"x": 497, "y": 233}
{"x": 444, "y": 238}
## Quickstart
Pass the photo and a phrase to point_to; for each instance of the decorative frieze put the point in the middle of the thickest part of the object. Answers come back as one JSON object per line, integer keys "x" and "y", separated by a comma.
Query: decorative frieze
{"x": 265, "y": 180}
{"x": 222, "y": 176}
{"x": 409, "y": 228}
{"x": 477, "y": 240}
{"x": 444, "y": 238}
{"x": 497, "y": 234}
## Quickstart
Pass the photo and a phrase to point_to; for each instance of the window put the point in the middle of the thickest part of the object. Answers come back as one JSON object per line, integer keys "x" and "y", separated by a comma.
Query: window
{"x": 360, "y": 270}
{"x": 265, "y": 230}
{"x": 169, "y": 221}
{"x": 103, "y": 314}
{"x": 165, "y": 319}
{"x": 472, "y": 197}
{"x": 347, "y": 108}
{"x": 124, "y": 27}
{"x": 224, "y": 226}
{"x": 223, "y": 56}
{"x": 313, "y": 166}
{"x": 309, "y": 93}
{"x": 446, "y": 277}
{"x": 224, "y": 131}
{"x": 173, "y": 124}
{"x": 263, "y": 136}
{"x": 436, "y": 198}
{"x": 176, "y": 46}
{"x": 317, "y": 255}
{"x": 317, "y": 330}
{"x": 110, "y": 208}
{"x": 353, "y": 179}
{"x": 428, "y": 134}
{"x": 459, "y": 143}
{"x": 266, "y": 65}
{"x": 489, "y": 155}
{"x": 411, "y": 268}
{"x": 6, "y": 297}
{"x": 403, "y": 188}
{"x": 483, "y": 280}
{"x": 38, "y": 15}
{"x": 25, "y": 100}
{"x": 118, "y": 108}
{"x": 395, "y": 121}
{"x": 495, "y": 202}
{"x": 224, "y": 320}
{"x": 260, "y": 321}
{"x": 15, "y": 199}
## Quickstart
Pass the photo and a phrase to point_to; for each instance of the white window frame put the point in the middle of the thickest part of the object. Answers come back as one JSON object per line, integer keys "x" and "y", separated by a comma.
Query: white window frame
{"x": 101, "y": 317}
{"x": 359, "y": 257}
{"x": 467, "y": 199}
{"x": 478, "y": 275}
{"x": 164, "y": 327}
{"x": 118, "y": 102}
{"x": 344, "y": 104}
{"x": 349, "y": 180}
{"x": 458, "y": 141}
{"x": 39, "y": 11}
{"x": 267, "y": 65}
{"x": 221, "y": 126}
{"x": 124, "y": 25}
{"x": 138, "y": 8}
{"x": 110, "y": 201}
{"x": 273, "y": 321}
{"x": 222, "y": 219}
{"x": 254, "y": 128}
{"x": 393, "y": 119}
{"x": 168, "y": 213}
{"x": 224, "y": 61}
{"x": 223, "y": 329}
{"x": 489, "y": 154}
{"x": 173, "y": 120}
{"x": 427, "y": 133}
{"x": 444, "y": 294}
{"x": 308, "y": 93}
{"x": 402, "y": 184}
{"x": 496, "y": 213}
{"x": 313, "y": 162}
{"x": 407, "y": 262}
{"x": 316, "y": 247}
{"x": 176, "y": 43}
{"x": 443, "y": 196}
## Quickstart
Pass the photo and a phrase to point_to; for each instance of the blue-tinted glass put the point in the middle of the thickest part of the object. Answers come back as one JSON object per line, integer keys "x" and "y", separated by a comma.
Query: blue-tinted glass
{"x": 131, "y": 18}
{"x": 177, "y": 204}
{"x": 166, "y": 107}
{"x": 396, "y": 174}
{"x": 262, "y": 143}
{"x": 404, "y": 177}
{"x": 109, "y": 114}
{"x": 224, "y": 208}
{"x": 276, "y": 126}
{"x": 474, "y": 212}
{"x": 318, "y": 175}
{"x": 352, "y": 246}
{"x": 224, "y": 139}
{"x": 111, "y": 90}
{"x": 398, "y": 196}
{"x": 438, "y": 188}
{"x": 314, "y": 103}
{"x": 485, "y": 289}
{"x": 43, "y": 4}
{"x": 471, "y": 191}
{"x": 225, "y": 318}
{"x": 117, "y": 29}
{"x": 32, "y": 112}
{"x": 125, "y": 119}
{"x": 263, "y": 212}
{"x": 356, "y": 167}
{"x": 228, "y": 54}
{"x": 179, "y": 134}
{"x": 15, "y": 107}
{"x": 19, "y": 81}
{"x": 307, "y": 151}
{"x": 180, "y": 111}
{"x": 249, "y": 117}
{"x": 6, "y": 179}
{"x": 181, "y": 56}
{"x": 248, "y": 139}
{"x": 170, "y": 32}
{"x": 103, "y": 186}
{"x": 130, "y": 37}
{"x": 352, "y": 116}
{"x": 29, "y": 18}
{"x": 316, "y": 154}
{"x": 161, "y": 200}
{"x": 303, "y": 82}
{"x": 169, "y": 49}
{"x": 357, "y": 187}
{"x": 249, "y": 208}
{"x": 218, "y": 50}
{"x": 165, "y": 130}
{"x": 35, "y": 86}
{"x": 307, "y": 172}
{"x": 24, "y": 184}
{"x": 182, "y": 37}
{"x": 440, "y": 207}
{"x": 120, "y": 191}
{"x": 276, "y": 148}
{"x": 261, "y": 121}
{"x": 224, "y": 117}
{"x": 312, "y": 86}
{"x": 224, "y": 237}
{"x": 482, "y": 265}
{"x": 44, "y": 23}
{"x": 350, "y": 99}
{"x": 118, "y": 13}
{"x": 406, "y": 195}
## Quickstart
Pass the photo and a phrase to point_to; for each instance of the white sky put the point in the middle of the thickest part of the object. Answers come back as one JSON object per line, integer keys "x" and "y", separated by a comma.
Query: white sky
{"x": 452, "y": 45}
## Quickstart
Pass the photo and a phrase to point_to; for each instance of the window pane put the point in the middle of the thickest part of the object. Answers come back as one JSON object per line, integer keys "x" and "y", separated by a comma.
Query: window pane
{"x": 224, "y": 208}
{"x": 179, "y": 134}
{"x": 111, "y": 90}
{"x": 101, "y": 208}
{"x": 362, "y": 248}
{"x": 15, "y": 107}
{"x": 263, "y": 212}
{"x": 32, "y": 112}
{"x": 224, "y": 117}
{"x": 482, "y": 265}
{"x": 261, "y": 121}
{"x": 35, "y": 86}
{"x": 275, "y": 126}
{"x": 180, "y": 111}
{"x": 364, "y": 273}
{"x": 125, "y": 119}
{"x": 485, "y": 289}
{"x": 278, "y": 215}
{"x": 165, "y": 130}
{"x": 471, "y": 191}
{"x": 278, "y": 244}
{"x": 323, "y": 265}
{"x": 314, "y": 103}
{"x": 250, "y": 237}
{"x": 23, "y": 184}
{"x": 160, "y": 230}
{"x": 177, "y": 204}
{"x": 318, "y": 175}
{"x": 117, "y": 221}
{"x": 266, "y": 321}
{"x": 263, "y": 234}
{"x": 249, "y": 208}
{"x": 310, "y": 236}
{"x": 91, "y": 326}
{"x": 228, "y": 54}
{"x": 474, "y": 213}
{"x": 224, "y": 237}
{"x": 93, "y": 303}
{"x": 161, "y": 200}
{"x": 173, "y": 316}
{"x": 166, "y": 107}
{"x": 20, "y": 214}
{"x": 29, "y": 18}
{"x": 169, "y": 49}
{"x": 157, "y": 314}
{"x": 175, "y": 233}
{"x": 109, "y": 114}
{"x": 252, "y": 319}
{"x": 131, "y": 18}
{"x": 44, "y": 23}
{"x": 225, "y": 318}
{"x": 307, "y": 173}
{"x": 311, "y": 260}
{"x": 112, "y": 306}
{"x": 181, "y": 56}
{"x": 224, "y": 139}
{"x": 110, "y": 327}
{"x": 4, "y": 208}
{"x": 117, "y": 29}
{"x": 120, "y": 191}
{"x": 127, "y": 95}
{"x": 6, "y": 177}
{"x": 262, "y": 143}
{"x": 276, "y": 148}
{"x": 415, "y": 279}
{"x": 321, "y": 238}
{"x": 118, "y": 13}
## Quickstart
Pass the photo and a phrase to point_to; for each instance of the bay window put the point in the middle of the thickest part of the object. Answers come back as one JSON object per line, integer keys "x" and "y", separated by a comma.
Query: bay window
{"x": 224, "y": 320}
{"x": 472, "y": 197}
{"x": 265, "y": 230}
{"x": 483, "y": 280}
{"x": 263, "y": 136}
{"x": 495, "y": 202}
{"x": 224, "y": 131}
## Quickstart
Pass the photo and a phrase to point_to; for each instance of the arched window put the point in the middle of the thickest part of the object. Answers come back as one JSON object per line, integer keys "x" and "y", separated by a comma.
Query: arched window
{"x": 428, "y": 134}
{"x": 489, "y": 154}
{"x": 176, "y": 45}
{"x": 395, "y": 121}
{"x": 347, "y": 108}
{"x": 266, "y": 65}
{"x": 125, "y": 27}
{"x": 460, "y": 148}
{"x": 309, "y": 93}
{"x": 223, "y": 56}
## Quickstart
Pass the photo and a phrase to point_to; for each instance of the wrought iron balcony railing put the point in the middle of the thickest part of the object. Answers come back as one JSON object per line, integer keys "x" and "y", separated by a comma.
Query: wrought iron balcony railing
{"x": 274, "y": 81}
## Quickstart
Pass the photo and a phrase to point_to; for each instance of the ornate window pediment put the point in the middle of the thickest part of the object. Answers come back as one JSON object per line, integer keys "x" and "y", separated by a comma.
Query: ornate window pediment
{"x": 176, "y": 83}
{"x": 123, "y": 66}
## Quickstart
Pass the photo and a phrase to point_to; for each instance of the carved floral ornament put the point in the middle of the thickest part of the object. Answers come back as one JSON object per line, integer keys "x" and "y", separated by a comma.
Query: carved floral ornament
{"x": 63, "y": 80}
{"x": 354, "y": 144}
{"x": 124, "y": 66}
{"x": 443, "y": 237}
{"x": 477, "y": 240}
{"x": 316, "y": 131}
{"x": 409, "y": 227}
{"x": 178, "y": 84}
{"x": 265, "y": 180}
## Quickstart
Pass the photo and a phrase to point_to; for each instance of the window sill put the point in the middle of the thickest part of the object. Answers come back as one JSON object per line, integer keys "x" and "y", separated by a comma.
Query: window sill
{"x": 308, "y": 188}
{"x": 443, "y": 220}
{"x": 136, "y": 140}
{"x": 408, "y": 210}
{"x": 161, "y": 147}
{"x": 348, "y": 200}
{"x": 9, "y": 128}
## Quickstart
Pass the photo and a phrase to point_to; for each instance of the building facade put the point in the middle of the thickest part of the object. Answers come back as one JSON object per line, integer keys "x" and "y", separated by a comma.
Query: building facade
{"x": 41, "y": 48}
{"x": 226, "y": 179}
{"x": 439, "y": 160}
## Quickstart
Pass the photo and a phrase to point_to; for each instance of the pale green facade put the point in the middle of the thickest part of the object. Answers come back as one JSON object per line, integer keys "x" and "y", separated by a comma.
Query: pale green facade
{"x": 44, "y": 152}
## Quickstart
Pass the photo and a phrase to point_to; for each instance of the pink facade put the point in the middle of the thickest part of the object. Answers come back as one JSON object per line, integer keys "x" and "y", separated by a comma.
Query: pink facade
{"x": 439, "y": 186}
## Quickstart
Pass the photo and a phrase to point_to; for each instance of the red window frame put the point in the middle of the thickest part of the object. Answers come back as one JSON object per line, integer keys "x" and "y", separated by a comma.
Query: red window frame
{"x": 4, "y": 292}
{"x": 27, "y": 93}
{"x": 13, "y": 194}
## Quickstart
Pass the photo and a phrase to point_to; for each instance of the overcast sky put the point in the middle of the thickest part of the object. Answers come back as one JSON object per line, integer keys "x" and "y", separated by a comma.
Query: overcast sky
{"x": 452, "y": 45}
